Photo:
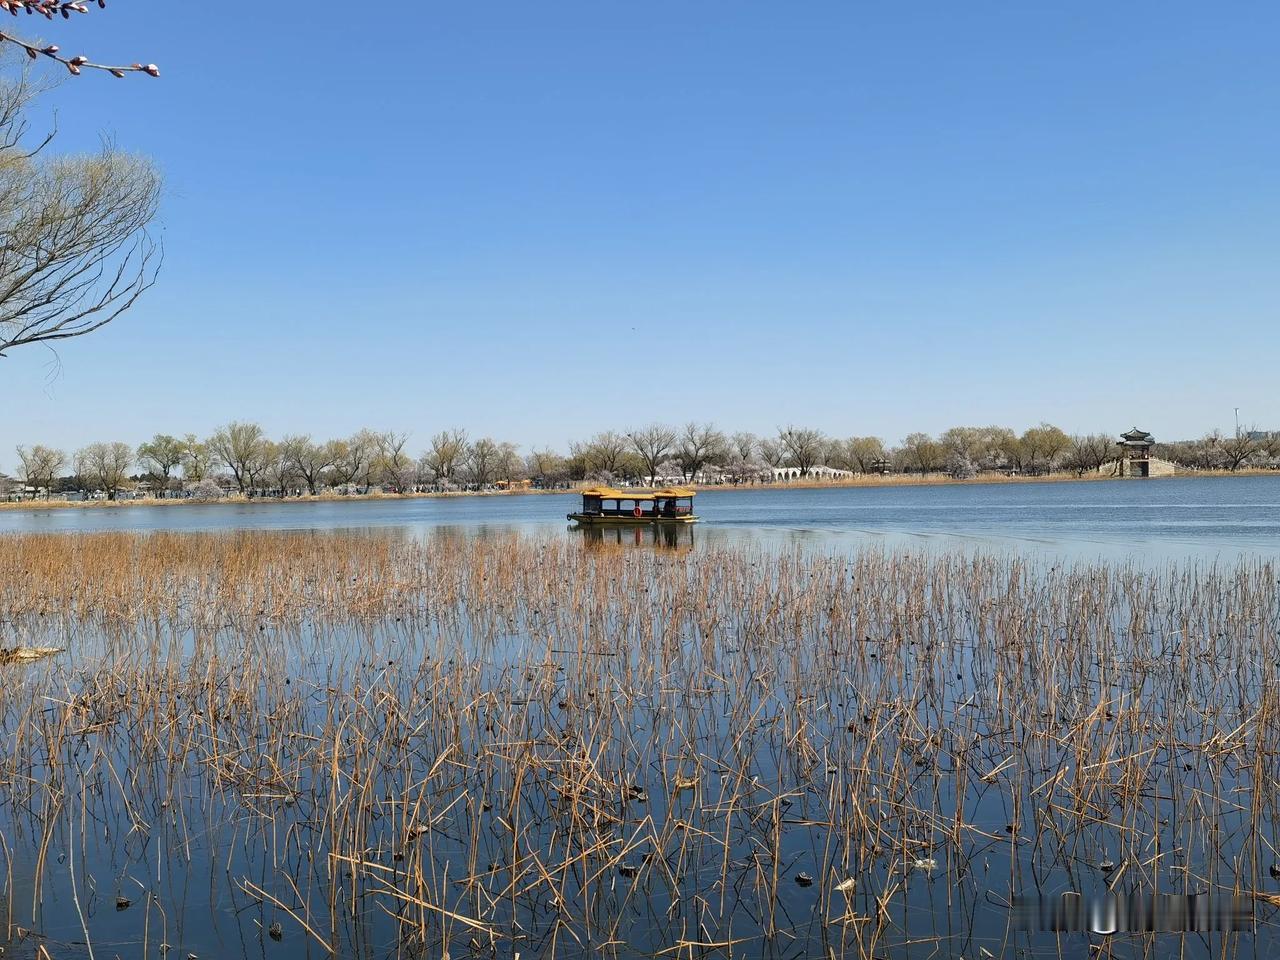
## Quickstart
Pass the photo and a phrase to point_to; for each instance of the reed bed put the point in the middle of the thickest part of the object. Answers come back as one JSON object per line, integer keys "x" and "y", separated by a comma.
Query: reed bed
{"x": 367, "y": 744}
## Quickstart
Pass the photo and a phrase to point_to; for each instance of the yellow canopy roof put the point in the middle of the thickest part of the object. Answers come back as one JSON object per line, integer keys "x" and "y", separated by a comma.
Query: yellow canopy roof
{"x": 612, "y": 493}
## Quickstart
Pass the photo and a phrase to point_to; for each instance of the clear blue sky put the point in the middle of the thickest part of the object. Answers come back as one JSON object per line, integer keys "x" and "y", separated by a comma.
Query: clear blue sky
{"x": 866, "y": 218}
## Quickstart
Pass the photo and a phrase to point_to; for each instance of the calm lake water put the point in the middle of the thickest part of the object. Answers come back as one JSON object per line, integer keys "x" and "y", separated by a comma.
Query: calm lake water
{"x": 1219, "y": 518}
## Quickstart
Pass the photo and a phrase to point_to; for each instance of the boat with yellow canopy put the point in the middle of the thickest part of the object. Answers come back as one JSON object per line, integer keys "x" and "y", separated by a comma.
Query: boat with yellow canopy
{"x": 610, "y": 505}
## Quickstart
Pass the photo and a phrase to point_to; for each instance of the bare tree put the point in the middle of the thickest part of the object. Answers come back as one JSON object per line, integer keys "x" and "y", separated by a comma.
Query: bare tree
{"x": 740, "y": 459}
{"x": 700, "y": 444}
{"x": 278, "y": 469}
{"x": 482, "y": 461}
{"x": 1043, "y": 445}
{"x": 805, "y": 448}
{"x": 1239, "y": 448}
{"x": 196, "y": 458}
{"x": 1271, "y": 444}
{"x": 867, "y": 454}
{"x": 545, "y": 466}
{"x": 653, "y": 445}
{"x": 309, "y": 459}
{"x": 349, "y": 459}
{"x": 422, "y": 472}
{"x": 448, "y": 448}
{"x": 40, "y": 466}
{"x": 923, "y": 452}
{"x": 1207, "y": 453}
{"x": 607, "y": 450}
{"x": 353, "y": 459}
{"x": 242, "y": 447}
{"x": 993, "y": 444}
{"x": 857, "y": 454}
{"x": 965, "y": 441}
{"x": 394, "y": 465}
{"x": 74, "y": 251}
{"x": 840, "y": 455}
{"x": 1088, "y": 452}
{"x": 601, "y": 455}
{"x": 510, "y": 466}
{"x": 362, "y": 449}
{"x": 773, "y": 452}
{"x": 160, "y": 456}
{"x": 105, "y": 464}
{"x": 1014, "y": 451}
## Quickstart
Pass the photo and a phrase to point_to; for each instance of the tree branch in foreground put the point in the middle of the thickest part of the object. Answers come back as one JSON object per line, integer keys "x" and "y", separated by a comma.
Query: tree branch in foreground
{"x": 49, "y": 9}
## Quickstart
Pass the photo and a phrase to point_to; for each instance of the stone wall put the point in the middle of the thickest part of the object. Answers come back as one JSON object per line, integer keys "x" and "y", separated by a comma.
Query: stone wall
{"x": 1125, "y": 468}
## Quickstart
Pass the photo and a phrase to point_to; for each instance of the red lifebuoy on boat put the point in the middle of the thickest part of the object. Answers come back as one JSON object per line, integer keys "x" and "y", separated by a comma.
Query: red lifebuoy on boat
{"x": 637, "y": 512}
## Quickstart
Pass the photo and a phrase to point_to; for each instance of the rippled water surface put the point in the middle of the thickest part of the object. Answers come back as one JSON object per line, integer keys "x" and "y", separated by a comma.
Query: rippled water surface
{"x": 1204, "y": 518}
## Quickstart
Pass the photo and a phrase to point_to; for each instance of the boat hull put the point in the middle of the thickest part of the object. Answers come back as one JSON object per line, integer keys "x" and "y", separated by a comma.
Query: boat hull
{"x": 592, "y": 519}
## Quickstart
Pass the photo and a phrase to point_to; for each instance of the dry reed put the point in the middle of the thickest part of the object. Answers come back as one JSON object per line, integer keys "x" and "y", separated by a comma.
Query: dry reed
{"x": 370, "y": 744}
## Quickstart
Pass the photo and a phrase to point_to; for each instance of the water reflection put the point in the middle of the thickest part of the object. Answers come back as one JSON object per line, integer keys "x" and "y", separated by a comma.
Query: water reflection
{"x": 1162, "y": 520}
{"x": 667, "y": 536}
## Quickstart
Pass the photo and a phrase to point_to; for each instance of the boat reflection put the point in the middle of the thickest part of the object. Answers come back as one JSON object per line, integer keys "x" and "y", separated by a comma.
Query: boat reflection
{"x": 660, "y": 536}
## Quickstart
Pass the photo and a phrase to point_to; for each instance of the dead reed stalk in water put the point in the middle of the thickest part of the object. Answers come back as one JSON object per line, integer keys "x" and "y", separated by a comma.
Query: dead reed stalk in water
{"x": 498, "y": 745}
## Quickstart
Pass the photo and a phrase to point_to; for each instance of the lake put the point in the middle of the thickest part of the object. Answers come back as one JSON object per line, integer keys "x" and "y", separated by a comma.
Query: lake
{"x": 450, "y": 727}
{"x": 1211, "y": 518}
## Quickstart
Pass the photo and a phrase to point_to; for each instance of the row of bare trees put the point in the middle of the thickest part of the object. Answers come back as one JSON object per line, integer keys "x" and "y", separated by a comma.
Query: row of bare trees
{"x": 240, "y": 457}
{"x": 363, "y": 461}
{"x": 660, "y": 450}
{"x": 1217, "y": 451}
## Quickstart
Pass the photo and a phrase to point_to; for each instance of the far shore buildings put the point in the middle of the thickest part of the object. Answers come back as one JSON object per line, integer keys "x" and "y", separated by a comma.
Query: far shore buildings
{"x": 1135, "y": 458}
{"x": 819, "y": 472}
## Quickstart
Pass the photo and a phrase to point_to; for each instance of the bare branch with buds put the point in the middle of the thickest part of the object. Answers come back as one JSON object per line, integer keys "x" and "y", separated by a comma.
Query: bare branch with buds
{"x": 55, "y": 8}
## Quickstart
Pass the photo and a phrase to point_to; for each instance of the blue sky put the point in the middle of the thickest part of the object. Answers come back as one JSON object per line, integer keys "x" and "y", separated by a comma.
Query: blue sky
{"x": 867, "y": 218}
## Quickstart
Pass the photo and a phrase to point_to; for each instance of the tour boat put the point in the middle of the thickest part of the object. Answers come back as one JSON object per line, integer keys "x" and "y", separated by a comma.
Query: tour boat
{"x": 607, "y": 505}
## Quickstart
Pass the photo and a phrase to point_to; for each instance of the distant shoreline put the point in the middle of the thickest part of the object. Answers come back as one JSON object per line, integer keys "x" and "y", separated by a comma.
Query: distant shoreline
{"x": 870, "y": 480}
